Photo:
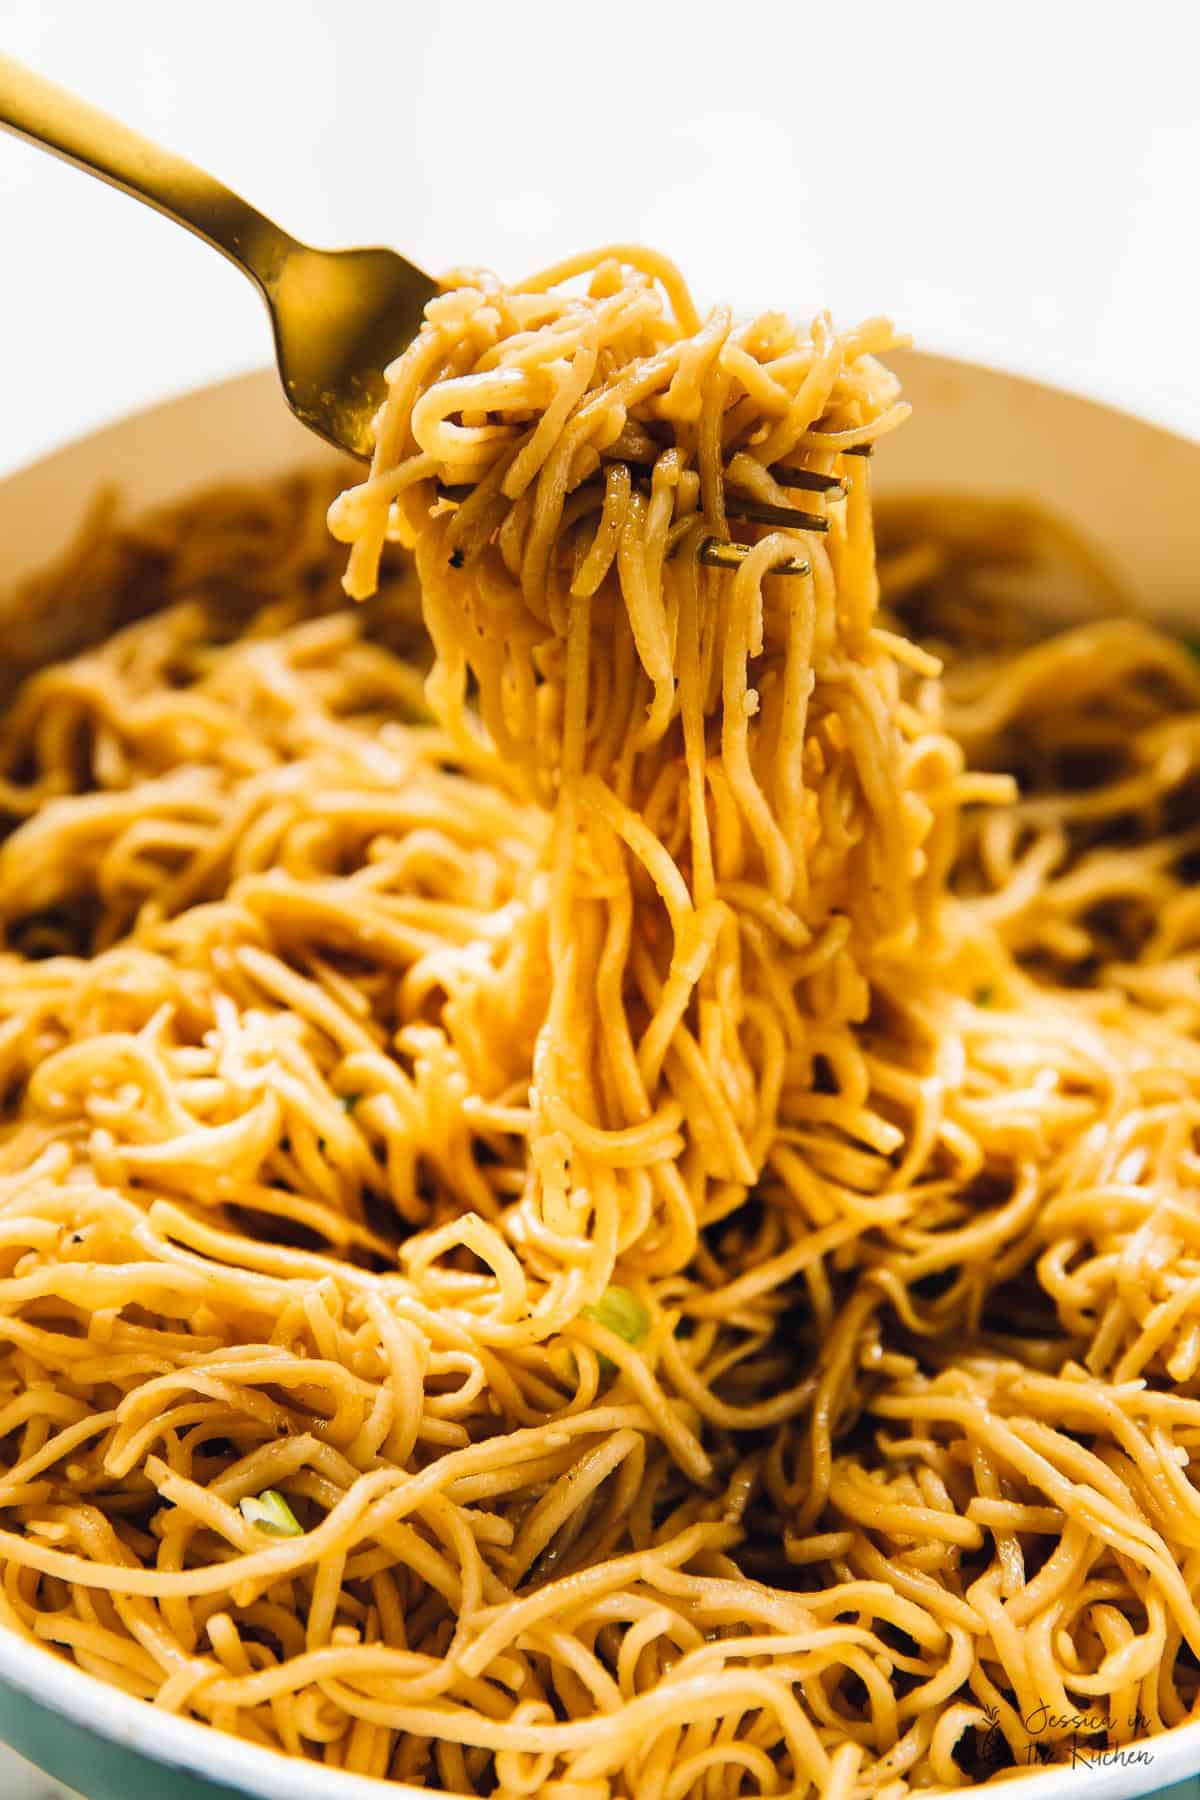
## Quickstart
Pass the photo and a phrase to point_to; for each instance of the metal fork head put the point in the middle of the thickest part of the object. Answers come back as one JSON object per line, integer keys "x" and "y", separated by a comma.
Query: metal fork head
{"x": 722, "y": 553}
{"x": 637, "y": 448}
{"x": 718, "y": 553}
{"x": 339, "y": 318}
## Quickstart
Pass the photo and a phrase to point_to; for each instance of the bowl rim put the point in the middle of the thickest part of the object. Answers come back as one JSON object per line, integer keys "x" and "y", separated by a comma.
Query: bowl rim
{"x": 174, "y": 1742}
{"x": 187, "y": 1745}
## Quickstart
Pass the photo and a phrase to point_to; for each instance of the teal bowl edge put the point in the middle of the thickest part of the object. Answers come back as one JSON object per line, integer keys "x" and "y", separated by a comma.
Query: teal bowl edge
{"x": 91, "y": 1764}
{"x": 107, "y": 1745}
{"x": 98, "y": 1768}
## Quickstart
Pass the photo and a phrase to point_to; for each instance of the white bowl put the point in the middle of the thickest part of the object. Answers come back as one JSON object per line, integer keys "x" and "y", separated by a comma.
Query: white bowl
{"x": 1132, "y": 488}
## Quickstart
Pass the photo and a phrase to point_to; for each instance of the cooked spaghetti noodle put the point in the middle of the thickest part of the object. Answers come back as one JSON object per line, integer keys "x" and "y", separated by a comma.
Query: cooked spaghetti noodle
{"x": 613, "y": 1213}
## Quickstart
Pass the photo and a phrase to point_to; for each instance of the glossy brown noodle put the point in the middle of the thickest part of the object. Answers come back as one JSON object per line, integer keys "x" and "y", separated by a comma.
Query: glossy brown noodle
{"x": 681, "y": 1191}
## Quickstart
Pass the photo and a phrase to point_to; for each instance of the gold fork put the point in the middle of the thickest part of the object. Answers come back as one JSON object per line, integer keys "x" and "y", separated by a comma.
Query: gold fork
{"x": 339, "y": 317}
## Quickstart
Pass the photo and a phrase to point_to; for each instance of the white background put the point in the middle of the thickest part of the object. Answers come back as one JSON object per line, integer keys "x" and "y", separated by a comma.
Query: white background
{"x": 1014, "y": 180}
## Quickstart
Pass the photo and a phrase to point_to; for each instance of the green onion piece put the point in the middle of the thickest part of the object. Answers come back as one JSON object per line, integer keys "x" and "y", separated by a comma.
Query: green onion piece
{"x": 985, "y": 995}
{"x": 271, "y": 1513}
{"x": 1193, "y": 644}
{"x": 350, "y": 1101}
{"x": 620, "y": 1310}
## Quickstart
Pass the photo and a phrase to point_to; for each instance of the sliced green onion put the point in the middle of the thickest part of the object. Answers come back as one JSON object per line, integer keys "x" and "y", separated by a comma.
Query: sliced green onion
{"x": 985, "y": 995}
{"x": 1193, "y": 644}
{"x": 271, "y": 1513}
{"x": 619, "y": 1310}
{"x": 350, "y": 1101}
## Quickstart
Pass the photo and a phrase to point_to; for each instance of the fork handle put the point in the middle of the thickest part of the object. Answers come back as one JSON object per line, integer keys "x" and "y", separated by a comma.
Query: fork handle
{"x": 47, "y": 115}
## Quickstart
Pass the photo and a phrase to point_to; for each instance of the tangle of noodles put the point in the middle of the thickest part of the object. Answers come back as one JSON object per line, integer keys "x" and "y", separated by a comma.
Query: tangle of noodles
{"x": 617, "y": 1212}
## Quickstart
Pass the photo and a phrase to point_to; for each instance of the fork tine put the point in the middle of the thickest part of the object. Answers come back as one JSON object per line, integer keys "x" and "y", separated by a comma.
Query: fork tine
{"x": 719, "y": 555}
{"x": 764, "y": 512}
{"x": 808, "y": 479}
